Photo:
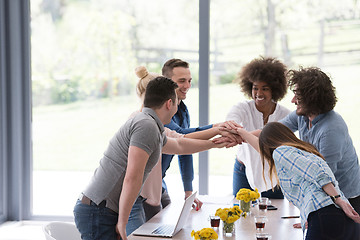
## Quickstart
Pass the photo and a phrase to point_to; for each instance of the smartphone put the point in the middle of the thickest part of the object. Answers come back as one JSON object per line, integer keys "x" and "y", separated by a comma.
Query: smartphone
{"x": 271, "y": 207}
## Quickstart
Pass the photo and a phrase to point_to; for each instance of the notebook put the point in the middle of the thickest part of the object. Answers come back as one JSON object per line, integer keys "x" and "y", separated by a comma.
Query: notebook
{"x": 161, "y": 230}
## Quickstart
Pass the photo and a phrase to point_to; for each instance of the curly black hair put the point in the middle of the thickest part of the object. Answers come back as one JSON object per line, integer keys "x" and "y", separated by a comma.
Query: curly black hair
{"x": 268, "y": 70}
{"x": 314, "y": 90}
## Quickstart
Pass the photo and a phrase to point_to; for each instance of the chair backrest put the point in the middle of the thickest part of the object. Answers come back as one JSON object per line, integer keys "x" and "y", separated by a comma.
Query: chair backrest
{"x": 61, "y": 231}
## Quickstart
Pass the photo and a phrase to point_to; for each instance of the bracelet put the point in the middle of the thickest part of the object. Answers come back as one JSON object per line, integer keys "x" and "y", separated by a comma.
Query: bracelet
{"x": 333, "y": 198}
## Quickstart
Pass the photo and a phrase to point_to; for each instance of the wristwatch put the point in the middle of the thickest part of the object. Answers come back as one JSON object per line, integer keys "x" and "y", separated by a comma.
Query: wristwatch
{"x": 333, "y": 198}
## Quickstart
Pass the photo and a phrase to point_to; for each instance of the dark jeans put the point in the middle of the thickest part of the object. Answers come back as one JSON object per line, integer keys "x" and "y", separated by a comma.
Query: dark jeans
{"x": 150, "y": 210}
{"x": 355, "y": 203}
{"x": 240, "y": 181}
{"x": 331, "y": 223}
{"x": 136, "y": 217}
{"x": 95, "y": 222}
{"x": 165, "y": 198}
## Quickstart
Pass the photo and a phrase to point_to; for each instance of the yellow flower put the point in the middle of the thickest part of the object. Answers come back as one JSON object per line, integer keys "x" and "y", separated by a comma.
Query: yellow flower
{"x": 247, "y": 195}
{"x": 204, "y": 234}
{"x": 229, "y": 215}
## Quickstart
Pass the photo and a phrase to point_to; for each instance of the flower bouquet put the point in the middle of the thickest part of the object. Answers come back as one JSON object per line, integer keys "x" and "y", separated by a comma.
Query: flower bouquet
{"x": 229, "y": 217}
{"x": 204, "y": 234}
{"x": 245, "y": 196}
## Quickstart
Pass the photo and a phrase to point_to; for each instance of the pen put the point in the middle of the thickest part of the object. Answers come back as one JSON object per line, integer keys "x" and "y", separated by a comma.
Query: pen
{"x": 290, "y": 217}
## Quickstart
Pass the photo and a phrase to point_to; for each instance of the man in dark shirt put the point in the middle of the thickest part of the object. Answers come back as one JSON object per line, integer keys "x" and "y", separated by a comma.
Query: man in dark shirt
{"x": 178, "y": 71}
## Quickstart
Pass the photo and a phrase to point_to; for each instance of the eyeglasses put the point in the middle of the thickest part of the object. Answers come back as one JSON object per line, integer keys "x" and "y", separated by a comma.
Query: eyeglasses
{"x": 297, "y": 96}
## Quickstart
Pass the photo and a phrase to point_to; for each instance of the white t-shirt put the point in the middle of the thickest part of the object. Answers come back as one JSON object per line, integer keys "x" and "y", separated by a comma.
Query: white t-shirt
{"x": 246, "y": 114}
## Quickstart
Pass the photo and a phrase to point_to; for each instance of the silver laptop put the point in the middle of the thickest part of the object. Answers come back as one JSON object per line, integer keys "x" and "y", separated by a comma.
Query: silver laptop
{"x": 162, "y": 230}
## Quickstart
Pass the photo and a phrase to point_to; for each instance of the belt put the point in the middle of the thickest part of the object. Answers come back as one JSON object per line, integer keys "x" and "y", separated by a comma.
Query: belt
{"x": 85, "y": 200}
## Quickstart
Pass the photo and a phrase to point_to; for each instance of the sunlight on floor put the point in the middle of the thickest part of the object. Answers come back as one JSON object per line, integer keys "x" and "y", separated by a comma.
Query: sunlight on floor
{"x": 25, "y": 230}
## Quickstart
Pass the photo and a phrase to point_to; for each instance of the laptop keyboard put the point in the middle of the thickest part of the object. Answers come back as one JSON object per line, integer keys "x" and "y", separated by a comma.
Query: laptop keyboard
{"x": 164, "y": 230}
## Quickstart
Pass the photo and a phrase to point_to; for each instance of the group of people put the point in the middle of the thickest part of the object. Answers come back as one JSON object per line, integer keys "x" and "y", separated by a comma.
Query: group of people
{"x": 319, "y": 174}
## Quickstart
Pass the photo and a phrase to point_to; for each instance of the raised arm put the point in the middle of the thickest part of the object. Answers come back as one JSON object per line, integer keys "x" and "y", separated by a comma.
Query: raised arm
{"x": 176, "y": 127}
{"x": 205, "y": 134}
{"x": 249, "y": 138}
{"x": 212, "y": 132}
{"x": 189, "y": 146}
{"x": 256, "y": 132}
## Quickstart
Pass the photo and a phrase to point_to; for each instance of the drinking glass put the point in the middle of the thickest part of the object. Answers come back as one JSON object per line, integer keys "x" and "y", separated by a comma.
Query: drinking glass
{"x": 263, "y": 202}
{"x": 214, "y": 221}
{"x": 263, "y": 236}
{"x": 260, "y": 222}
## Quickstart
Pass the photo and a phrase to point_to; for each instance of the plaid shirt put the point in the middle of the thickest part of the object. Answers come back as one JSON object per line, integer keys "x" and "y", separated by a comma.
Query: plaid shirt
{"x": 302, "y": 176}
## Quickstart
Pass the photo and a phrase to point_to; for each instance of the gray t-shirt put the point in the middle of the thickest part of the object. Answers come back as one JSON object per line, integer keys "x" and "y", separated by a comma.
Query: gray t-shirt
{"x": 144, "y": 130}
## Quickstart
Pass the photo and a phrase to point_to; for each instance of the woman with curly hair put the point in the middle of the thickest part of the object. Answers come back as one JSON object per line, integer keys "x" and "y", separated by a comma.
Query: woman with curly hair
{"x": 264, "y": 81}
{"x": 307, "y": 181}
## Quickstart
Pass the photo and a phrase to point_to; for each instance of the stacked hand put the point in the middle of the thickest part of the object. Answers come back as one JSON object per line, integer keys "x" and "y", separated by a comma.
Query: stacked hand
{"x": 229, "y": 134}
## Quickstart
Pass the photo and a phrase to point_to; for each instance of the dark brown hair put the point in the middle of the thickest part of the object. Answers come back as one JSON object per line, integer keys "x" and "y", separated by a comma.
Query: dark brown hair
{"x": 314, "y": 90}
{"x": 167, "y": 70}
{"x": 158, "y": 91}
{"x": 268, "y": 70}
{"x": 275, "y": 134}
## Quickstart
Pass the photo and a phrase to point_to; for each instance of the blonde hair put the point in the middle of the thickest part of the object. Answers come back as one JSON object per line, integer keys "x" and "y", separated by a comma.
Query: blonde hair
{"x": 145, "y": 78}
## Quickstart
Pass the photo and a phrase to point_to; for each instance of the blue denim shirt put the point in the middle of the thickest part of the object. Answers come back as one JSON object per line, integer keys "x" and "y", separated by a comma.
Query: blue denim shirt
{"x": 180, "y": 123}
{"x": 330, "y": 135}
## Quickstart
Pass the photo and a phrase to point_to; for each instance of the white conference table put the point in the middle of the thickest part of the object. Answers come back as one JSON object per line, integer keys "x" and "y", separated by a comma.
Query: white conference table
{"x": 245, "y": 229}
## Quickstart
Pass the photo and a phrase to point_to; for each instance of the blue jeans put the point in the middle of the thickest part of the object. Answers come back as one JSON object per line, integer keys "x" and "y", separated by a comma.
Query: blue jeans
{"x": 137, "y": 216}
{"x": 240, "y": 181}
{"x": 331, "y": 223}
{"x": 95, "y": 222}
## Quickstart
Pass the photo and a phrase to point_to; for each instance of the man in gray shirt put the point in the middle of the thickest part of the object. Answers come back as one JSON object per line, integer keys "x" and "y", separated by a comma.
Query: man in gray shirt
{"x": 103, "y": 208}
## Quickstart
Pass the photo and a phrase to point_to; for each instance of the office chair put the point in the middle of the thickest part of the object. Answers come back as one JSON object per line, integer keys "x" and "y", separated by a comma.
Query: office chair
{"x": 61, "y": 231}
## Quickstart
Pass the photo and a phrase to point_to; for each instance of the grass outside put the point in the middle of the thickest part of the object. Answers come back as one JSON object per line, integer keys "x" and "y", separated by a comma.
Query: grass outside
{"x": 74, "y": 136}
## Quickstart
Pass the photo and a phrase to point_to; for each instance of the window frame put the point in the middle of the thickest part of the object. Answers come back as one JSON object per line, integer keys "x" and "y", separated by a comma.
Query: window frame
{"x": 15, "y": 107}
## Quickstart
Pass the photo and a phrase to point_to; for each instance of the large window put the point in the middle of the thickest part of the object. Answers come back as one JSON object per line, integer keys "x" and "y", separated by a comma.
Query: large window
{"x": 84, "y": 54}
{"x": 307, "y": 33}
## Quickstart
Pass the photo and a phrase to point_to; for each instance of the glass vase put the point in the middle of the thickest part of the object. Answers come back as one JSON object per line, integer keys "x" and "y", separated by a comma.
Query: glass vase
{"x": 245, "y": 206}
{"x": 228, "y": 229}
